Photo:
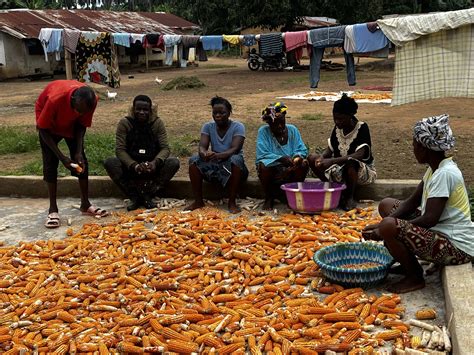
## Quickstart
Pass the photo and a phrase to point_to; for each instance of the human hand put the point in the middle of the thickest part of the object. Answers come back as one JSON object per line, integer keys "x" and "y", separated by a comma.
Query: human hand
{"x": 79, "y": 158}
{"x": 299, "y": 161}
{"x": 210, "y": 155}
{"x": 140, "y": 168}
{"x": 66, "y": 161}
{"x": 371, "y": 232}
{"x": 323, "y": 163}
{"x": 286, "y": 161}
{"x": 150, "y": 167}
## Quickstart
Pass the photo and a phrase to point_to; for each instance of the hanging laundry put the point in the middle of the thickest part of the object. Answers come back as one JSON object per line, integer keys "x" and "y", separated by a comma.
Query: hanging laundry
{"x": 232, "y": 39}
{"x": 94, "y": 62}
{"x": 373, "y": 26}
{"x": 249, "y": 40}
{"x": 363, "y": 41}
{"x": 349, "y": 39}
{"x": 435, "y": 66}
{"x": 400, "y": 30}
{"x": 367, "y": 41}
{"x": 55, "y": 44}
{"x": 320, "y": 39}
{"x": 296, "y": 41}
{"x": 327, "y": 37}
{"x": 193, "y": 42}
{"x": 121, "y": 39}
{"x": 170, "y": 41}
{"x": 136, "y": 37}
{"x": 211, "y": 43}
{"x": 153, "y": 40}
{"x": 70, "y": 39}
{"x": 270, "y": 44}
{"x": 44, "y": 36}
{"x": 52, "y": 41}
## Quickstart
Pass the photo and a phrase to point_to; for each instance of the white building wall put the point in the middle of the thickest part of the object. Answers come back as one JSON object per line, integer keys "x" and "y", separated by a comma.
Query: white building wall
{"x": 18, "y": 62}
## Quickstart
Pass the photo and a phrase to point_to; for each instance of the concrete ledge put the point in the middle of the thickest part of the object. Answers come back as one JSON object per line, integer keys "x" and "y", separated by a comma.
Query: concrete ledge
{"x": 102, "y": 186}
{"x": 458, "y": 284}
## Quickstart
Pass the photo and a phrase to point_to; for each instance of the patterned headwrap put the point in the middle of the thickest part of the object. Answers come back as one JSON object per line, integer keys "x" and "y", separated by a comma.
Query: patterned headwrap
{"x": 270, "y": 111}
{"x": 434, "y": 133}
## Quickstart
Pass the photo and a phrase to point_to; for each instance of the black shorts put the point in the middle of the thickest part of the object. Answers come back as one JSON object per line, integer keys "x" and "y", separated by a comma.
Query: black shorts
{"x": 51, "y": 161}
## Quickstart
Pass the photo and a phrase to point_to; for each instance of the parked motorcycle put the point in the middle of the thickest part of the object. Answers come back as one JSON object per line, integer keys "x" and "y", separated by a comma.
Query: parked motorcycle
{"x": 255, "y": 61}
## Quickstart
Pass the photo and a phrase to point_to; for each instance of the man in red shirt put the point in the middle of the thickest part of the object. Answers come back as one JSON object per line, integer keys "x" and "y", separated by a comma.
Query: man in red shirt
{"x": 63, "y": 111}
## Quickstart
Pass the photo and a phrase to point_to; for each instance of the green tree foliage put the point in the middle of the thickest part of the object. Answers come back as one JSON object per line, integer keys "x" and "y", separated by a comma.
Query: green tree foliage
{"x": 228, "y": 16}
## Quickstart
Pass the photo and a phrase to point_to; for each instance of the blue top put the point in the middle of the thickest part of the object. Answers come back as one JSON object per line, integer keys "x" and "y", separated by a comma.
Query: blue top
{"x": 269, "y": 150}
{"x": 219, "y": 144}
{"x": 327, "y": 37}
{"x": 366, "y": 41}
{"x": 121, "y": 39}
{"x": 211, "y": 43}
{"x": 55, "y": 43}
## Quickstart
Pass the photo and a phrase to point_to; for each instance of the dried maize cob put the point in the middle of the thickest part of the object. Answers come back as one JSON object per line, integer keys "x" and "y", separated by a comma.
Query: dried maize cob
{"x": 427, "y": 313}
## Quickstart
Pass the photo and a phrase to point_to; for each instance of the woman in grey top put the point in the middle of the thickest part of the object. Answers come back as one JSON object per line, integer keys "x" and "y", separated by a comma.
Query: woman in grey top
{"x": 220, "y": 158}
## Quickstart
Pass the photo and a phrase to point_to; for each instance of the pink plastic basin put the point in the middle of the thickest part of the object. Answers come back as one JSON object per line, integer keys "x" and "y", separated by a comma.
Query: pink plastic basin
{"x": 310, "y": 197}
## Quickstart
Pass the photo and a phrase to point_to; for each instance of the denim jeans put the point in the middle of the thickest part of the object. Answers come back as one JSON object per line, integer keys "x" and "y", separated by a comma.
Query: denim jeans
{"x": 315, "y": 67}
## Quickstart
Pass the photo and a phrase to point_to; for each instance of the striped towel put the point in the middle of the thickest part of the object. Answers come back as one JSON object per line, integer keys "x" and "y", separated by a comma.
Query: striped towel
{"x": 434, "y": 66}
{"x": 271, "y": 43}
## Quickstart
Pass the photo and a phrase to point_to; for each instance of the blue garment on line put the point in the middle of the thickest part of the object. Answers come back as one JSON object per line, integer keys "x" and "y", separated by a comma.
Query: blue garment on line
{"x": 269, "y": 150}
{"x": 315, "y": 67}
{"x": 322, "y": 38}
{"x": 121, "y": 39}
{"x": 212, "y": 43}
{"x": 366, "y": 41}
{"x": 327, "y": 37}
{"x": 249, "y": 40}
{"x": 55, "y": 43}
{"x": 170, "y": 41}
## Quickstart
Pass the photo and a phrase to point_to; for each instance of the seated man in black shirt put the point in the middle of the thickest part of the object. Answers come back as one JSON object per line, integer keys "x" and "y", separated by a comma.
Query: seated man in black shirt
{"x": 348, "y": 157}
{"x": 142, "y": 166}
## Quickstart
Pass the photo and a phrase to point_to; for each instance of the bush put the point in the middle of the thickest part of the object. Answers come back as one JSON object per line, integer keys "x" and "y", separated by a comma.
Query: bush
{"x": 183, "y": 83}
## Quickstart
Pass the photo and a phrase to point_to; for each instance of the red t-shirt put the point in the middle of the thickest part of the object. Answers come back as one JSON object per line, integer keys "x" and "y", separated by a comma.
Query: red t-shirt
{"x": 54, "y": 112}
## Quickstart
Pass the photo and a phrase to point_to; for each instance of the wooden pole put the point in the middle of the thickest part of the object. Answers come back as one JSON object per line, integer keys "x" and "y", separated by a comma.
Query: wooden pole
{"x": 67, "y": 60}
{"x": 146, "y": 57}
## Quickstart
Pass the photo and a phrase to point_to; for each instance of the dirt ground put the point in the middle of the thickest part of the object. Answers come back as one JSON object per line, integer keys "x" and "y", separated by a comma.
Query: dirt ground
{"x": 184, "y": 111}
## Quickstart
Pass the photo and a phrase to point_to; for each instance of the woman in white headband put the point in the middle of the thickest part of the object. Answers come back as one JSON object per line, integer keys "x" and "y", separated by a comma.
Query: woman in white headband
{"x": 434, "y": 223}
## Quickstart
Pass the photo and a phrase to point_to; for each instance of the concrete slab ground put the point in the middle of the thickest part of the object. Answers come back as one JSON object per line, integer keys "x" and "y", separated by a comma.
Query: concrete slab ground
{"x": 102, "y": 186}
{"x": 22, "y": 219}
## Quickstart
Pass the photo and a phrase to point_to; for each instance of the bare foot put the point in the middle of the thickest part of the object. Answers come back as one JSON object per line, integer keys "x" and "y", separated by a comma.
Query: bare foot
{"x": 268, "y": 205}
{"x": 233, "y": 208}
{"x": 408, "y": 284}
{"x": 194, "y": 206}
{"x": 397, "y": 270}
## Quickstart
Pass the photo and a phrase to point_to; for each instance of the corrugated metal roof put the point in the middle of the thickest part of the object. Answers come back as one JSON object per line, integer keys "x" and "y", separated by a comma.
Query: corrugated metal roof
{"x": 28, "y": 23}
{"x": 312, "y": 21}
{"x": 171, "y": 20}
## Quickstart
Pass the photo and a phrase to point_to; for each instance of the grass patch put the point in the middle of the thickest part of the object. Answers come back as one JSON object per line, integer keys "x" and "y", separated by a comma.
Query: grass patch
{"x": 296, "y": 80}
{"x": 311, "y": 116}
{"x": 183, "y": 146}
{"x": 183, "y": 83}
{"x": 18, "y": 140}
